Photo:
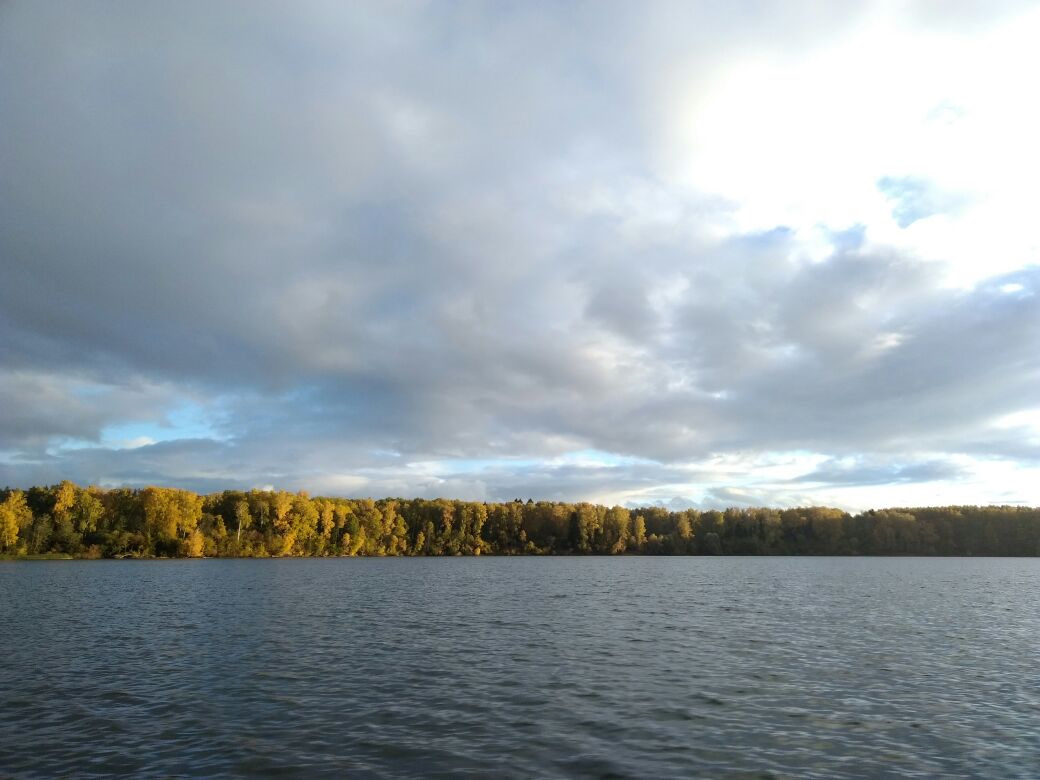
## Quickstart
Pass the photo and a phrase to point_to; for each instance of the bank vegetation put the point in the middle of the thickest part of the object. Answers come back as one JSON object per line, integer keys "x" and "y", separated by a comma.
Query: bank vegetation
{"x": 67, "y": 520}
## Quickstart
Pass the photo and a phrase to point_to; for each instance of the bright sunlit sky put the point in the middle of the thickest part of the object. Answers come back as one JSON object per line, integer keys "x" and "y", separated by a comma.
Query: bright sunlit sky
{"x": 697, "y": 254}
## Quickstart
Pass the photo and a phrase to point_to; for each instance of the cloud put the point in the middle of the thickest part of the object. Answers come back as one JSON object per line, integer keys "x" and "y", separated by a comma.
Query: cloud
{"x": 369, "y": 247}
{"x": 914, "y": 199}
{"x": 858, "y": 473}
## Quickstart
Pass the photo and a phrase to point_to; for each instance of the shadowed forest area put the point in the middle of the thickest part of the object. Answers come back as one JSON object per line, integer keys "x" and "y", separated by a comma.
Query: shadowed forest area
{"x": 92, "y": 522}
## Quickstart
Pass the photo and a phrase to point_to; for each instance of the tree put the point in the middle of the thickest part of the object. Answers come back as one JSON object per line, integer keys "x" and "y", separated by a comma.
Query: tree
{"x": 242, "y": 519}
{"x": 15, "y": 517}
{"x": 638, "y": 539}
{"x": 683, "y": 533}
{"x": 712, "y": 544}
{"x": 168, "y": 522}
{"x": 87, "y": 512}
{"x": 615, "y": 530}
{"x": 194, "y": 544}
{"x": 71, "y": 512}
{"x": 171, "y": 516}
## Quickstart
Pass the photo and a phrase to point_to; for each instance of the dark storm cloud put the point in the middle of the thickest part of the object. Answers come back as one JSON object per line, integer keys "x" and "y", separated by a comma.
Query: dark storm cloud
{"x": 376, "y": 236}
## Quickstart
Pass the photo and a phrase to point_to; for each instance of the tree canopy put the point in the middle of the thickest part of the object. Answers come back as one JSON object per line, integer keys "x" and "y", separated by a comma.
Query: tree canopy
{"x": 167, "y": 522}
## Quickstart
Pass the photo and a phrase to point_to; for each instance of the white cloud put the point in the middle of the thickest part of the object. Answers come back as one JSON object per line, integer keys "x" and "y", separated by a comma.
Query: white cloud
{"x": 687, "y": 254}
{"x": 801, "y": 137}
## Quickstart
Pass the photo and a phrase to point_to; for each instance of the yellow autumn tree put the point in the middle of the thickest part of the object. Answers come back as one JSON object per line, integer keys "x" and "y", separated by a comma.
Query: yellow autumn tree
{"x": 15, "y": 517}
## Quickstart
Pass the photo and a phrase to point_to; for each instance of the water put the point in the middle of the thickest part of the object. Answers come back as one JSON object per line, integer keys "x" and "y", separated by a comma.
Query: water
{"x": 591, "y": 667}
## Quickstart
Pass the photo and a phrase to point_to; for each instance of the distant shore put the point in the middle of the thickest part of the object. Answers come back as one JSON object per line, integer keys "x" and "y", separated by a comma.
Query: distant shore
{"x": 68, "y": 521}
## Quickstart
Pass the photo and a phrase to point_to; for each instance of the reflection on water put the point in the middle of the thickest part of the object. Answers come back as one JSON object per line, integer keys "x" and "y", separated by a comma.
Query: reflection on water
{"x": 598, "y": 667}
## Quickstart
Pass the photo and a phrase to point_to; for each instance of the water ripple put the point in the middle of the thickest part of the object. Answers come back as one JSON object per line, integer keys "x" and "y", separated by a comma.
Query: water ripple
{"x": 518, "y": 667}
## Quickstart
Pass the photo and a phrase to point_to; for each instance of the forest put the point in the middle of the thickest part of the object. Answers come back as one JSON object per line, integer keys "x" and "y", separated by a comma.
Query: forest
{"x": 67, "y": 520}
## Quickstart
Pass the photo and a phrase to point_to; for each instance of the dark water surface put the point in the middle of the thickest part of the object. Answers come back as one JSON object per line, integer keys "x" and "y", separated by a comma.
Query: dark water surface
{"x": 592, "y": 667}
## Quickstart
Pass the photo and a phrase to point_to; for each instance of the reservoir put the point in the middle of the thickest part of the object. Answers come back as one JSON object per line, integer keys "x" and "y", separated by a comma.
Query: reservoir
{"x": 521, "y": 667}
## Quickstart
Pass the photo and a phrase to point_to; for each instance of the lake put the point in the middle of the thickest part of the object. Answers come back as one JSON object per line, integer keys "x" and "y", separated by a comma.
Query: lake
{"x": 520, "y": 667}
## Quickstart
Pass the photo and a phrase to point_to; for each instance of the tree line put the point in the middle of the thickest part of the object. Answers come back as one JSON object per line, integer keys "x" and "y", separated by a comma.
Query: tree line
{"x": 92, "y": 522}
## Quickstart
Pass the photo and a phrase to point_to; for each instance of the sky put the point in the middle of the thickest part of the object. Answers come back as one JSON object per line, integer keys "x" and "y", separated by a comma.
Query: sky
{"x": 694, "y": 254}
